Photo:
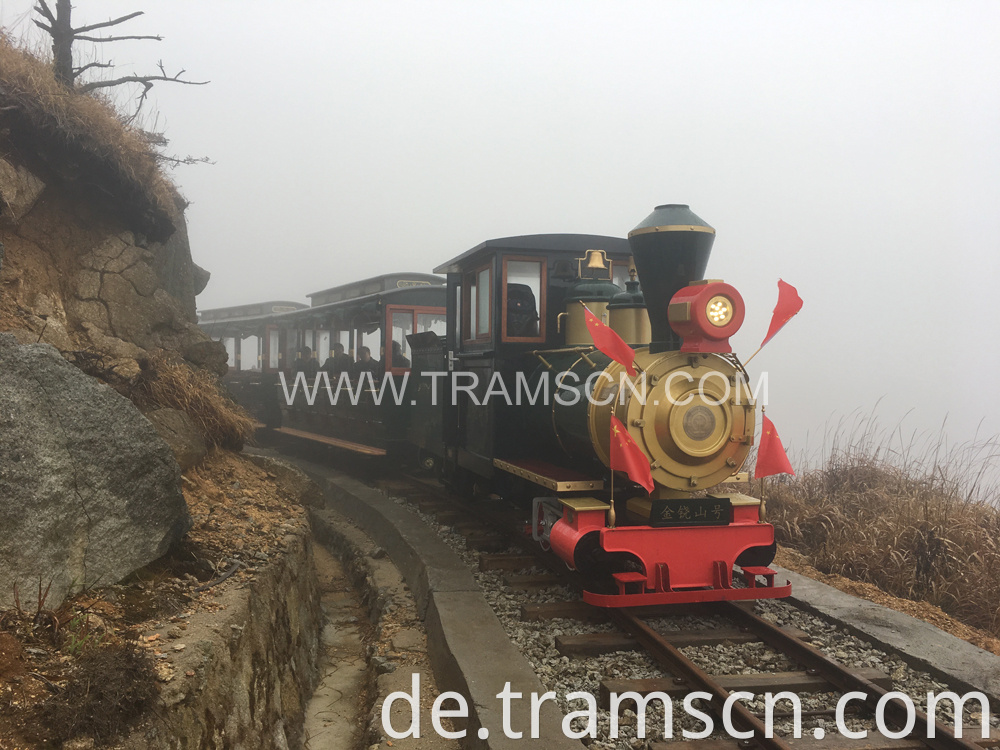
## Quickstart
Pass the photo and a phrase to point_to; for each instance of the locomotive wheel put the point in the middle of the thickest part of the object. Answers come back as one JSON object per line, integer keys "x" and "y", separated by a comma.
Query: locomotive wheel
{"x": 759, "y": 556}
{"x": 592, "y": 561}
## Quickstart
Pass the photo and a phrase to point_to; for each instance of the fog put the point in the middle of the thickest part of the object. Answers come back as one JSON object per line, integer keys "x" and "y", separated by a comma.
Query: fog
{"x": 848, "y": 148}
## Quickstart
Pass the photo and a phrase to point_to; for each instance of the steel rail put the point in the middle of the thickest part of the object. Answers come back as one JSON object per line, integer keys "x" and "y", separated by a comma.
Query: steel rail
{"x": 671, "y": 659}
{"x": 844, "y": 680}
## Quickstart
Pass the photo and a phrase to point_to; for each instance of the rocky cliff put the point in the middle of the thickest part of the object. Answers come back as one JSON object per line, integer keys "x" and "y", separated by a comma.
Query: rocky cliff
{"x": 81, "y": 281}
{"x": 96, "y": 255}
{"x": 95, "y": 271}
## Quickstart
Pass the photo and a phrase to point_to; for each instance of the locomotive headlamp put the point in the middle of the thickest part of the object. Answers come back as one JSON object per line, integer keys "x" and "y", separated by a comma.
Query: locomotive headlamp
{"x": 719, "y": 310}
{"x": 705, "y": 314}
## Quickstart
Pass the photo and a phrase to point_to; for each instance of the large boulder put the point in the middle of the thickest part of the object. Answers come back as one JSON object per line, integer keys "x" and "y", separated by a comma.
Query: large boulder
{"x": 181, "y": 434}
{"x": 89, "y": 491}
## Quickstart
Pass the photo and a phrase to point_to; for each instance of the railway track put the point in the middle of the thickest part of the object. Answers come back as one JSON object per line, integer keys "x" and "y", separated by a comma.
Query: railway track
{"x": 493, "y": 533}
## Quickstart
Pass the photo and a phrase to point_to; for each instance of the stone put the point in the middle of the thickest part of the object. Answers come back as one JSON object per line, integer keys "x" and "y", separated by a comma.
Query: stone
{"x": 208, "y": 355}
{"x": 111, "y": 346}
{"x": 181, "y": 434}
{"x": 142, "y": 278}
{"x": 88, "y": 284}
{"x": 90, "y": 490}
{"x": 125, "y": 368}
{"x": 200, "y": 275}
{"x": 408, "y": 639}
{"x": 19, "y": 190}
{"x": 52, "y": 331}
{"x": 91, "y": 310}
{"x": 132, "y": 316}
{"x": 381, "y": 665}
{"x": 113, "y": 255}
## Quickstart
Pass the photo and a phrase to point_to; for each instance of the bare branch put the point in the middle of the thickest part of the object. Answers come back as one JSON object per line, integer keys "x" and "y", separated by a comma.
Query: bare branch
{"x": 39, "y": 24}
{"x": 154, "y": 138}
{"x": 146, "y": 86}
{"x": 115, "y": 38}
{"x": 43, "y": 9}
{"x": 105, "y": 24}
{"x": 136, "y": 79}
{"x": 177, "y": 161}
{"x": 78, "y": 71}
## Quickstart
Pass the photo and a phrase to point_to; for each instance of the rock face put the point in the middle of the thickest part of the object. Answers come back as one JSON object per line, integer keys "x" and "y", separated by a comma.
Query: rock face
{"x": 80, "y": 280}
{"x": 89, "y": 491}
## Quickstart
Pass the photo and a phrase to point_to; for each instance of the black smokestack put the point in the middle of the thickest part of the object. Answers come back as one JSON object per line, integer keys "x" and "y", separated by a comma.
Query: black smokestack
{"x": 671, "y": 248}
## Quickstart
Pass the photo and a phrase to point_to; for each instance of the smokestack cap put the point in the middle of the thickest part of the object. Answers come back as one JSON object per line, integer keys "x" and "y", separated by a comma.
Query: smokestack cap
{"x": 672, "y": 217}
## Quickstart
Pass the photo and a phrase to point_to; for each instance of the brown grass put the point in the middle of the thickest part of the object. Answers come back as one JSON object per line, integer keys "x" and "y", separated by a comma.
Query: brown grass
{"x": 168, "y": 383}
{"x": 919, "y": 524}
{"x": 86, "y": 132}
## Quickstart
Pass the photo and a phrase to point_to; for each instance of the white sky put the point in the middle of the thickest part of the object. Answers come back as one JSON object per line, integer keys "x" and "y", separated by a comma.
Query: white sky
{"x": 847, "y": 147}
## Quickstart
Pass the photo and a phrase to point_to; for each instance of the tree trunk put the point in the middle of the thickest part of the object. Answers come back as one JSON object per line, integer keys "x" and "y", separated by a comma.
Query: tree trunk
{"x": 62, "y": 43}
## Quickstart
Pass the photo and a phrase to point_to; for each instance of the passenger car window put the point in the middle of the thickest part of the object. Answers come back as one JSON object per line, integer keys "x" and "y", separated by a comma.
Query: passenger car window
{"x": 435, "y": 322}
{"x": 402, "y": 326}
{"x": 273, "y": 349}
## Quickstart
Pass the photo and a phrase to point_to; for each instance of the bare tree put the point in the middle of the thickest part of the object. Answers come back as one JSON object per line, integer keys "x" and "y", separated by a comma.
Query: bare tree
{"x": 60, "y": 28}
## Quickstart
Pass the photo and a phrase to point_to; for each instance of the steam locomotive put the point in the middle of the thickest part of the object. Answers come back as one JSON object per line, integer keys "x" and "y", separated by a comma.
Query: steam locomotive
{"x": 495, "y": 384}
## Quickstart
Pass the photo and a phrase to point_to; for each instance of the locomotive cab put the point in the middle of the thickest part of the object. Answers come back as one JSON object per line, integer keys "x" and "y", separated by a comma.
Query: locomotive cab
{"x": 505, "y": 299}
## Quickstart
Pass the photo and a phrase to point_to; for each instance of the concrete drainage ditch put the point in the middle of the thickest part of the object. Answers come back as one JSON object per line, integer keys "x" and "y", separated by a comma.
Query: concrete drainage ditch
{"x": 374, "y": 642}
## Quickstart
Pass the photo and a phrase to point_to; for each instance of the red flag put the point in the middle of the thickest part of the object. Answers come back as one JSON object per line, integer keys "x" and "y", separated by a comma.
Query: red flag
{"x": 609, "y": 342}
{"x": 771, "y": 456}
{"x": 788, "y": 305}
{"x": 628, "y": 457}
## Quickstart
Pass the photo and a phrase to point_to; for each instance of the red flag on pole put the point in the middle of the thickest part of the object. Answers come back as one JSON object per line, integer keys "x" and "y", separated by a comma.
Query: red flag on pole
{"x": 788, "y": 305}
{"x": 609, "y": 342}
{"x": 771, "y": 456}
{"x": 628, "y": 457}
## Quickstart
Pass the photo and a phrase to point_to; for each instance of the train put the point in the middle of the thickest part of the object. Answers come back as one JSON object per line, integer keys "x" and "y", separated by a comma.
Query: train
{"x": 488, "y": 375}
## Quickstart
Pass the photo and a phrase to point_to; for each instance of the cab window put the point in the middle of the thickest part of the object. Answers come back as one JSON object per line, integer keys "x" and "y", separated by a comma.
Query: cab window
{"x": 523, "y": 306}
{"x": 476, "y": 316}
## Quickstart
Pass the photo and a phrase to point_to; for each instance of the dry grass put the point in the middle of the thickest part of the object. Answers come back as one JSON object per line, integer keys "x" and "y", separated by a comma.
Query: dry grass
{"x": 169, "y": 383}
{"x": 86, "y": 132}
{"x": 110, "y": 689}
{"x": 918, "y": 522}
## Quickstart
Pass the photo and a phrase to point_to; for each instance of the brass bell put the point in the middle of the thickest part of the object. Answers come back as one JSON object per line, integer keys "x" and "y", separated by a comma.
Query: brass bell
{"x": 596, "y": 259}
